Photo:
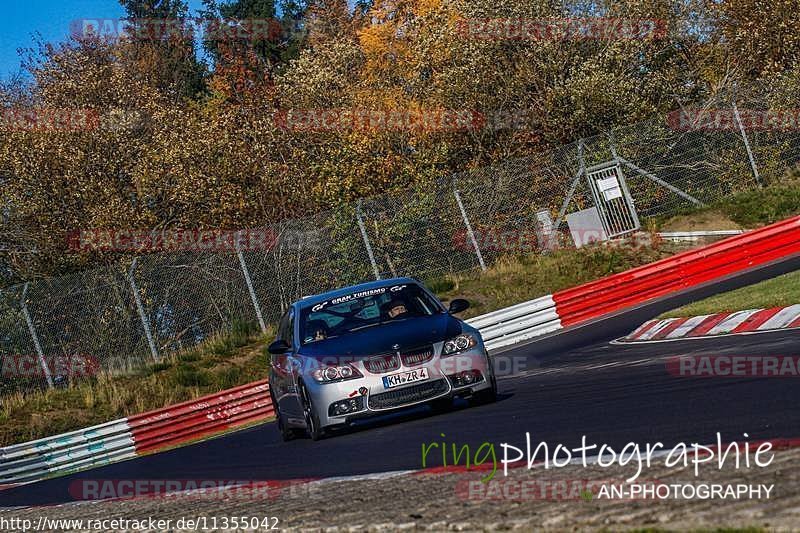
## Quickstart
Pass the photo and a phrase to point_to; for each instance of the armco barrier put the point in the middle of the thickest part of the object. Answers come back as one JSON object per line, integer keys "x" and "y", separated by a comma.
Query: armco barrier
{"x": 136, "y": 435}
{"x": 639, "y": 285}
{"x": 679, "y": 272}
{"x": 71, "y": 451}
{"x": 190, "y": 420}
{"x": 517, "y": 323}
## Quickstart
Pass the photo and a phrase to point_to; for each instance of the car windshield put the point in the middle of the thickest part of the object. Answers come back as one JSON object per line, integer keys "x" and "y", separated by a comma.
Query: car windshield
{"x": 360, "y": 310}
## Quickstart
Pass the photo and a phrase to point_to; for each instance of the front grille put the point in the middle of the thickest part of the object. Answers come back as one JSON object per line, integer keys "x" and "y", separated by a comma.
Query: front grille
{"x": 417, "y": 357}
{"x": 382, "y": 363}
{"x": 407, "y": 395}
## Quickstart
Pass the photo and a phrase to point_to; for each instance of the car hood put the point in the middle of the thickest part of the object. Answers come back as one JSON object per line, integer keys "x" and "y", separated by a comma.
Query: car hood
{"x": 408, "y": 334}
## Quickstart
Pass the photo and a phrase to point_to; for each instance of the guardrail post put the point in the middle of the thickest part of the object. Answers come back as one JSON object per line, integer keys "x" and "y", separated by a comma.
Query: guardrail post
{"x": 35, "y": 337}
{"x": 470, "y": 233}
{"x": 750, "y": 156}
{"x": 140, "y": 309}
{"x": 366, "y": 241}
{"x": 249, "y": 283}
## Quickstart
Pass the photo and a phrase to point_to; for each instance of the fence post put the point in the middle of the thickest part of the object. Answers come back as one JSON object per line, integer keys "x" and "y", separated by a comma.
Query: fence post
{"x": 366, "y": 241}
{"x": 575, "y": 181}
{"x": 752, "y": 159}
{"x": 470, "y": 233}
{"x": 249, "y": 283}
{"x": 140, "y": 309}
{"x": 35, "y": 337}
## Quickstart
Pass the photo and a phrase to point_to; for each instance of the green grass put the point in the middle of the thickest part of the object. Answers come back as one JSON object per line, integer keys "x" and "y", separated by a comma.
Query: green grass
{"x": 222, "y": 362}
{"x": 776, "y": 292}
{"x": 516, "y": 279}
{"x": 745, "y": 210}
{"x": 763, "y": 206}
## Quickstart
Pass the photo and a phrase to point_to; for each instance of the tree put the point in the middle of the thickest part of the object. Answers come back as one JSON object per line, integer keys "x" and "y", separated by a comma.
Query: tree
{"x": 272, "y": 38}
{"x": 761, "y": 37}
{"x": 163, "y": 40}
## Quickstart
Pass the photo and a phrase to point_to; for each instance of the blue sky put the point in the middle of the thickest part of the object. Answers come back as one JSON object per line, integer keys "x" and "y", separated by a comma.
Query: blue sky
{"x": 21, "y": 19}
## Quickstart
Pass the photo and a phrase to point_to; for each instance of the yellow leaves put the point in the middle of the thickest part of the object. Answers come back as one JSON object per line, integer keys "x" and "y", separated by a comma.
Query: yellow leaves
{"x": 426, "y": 7}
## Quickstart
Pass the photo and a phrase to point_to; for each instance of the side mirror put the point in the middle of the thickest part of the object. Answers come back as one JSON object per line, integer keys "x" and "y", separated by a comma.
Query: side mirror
{"x": 458, "y": 305}
{"x": 278, "y": 347}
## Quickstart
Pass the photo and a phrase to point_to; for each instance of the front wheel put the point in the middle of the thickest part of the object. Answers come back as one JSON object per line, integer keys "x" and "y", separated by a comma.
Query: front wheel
{"x": 312, "y": 420}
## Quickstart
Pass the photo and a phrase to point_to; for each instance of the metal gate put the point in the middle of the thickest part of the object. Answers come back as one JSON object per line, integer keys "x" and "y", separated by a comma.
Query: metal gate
{"x": 613, "y": 200}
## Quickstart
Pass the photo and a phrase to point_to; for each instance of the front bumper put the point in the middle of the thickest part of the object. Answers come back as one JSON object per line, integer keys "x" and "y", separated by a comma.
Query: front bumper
{"x": 373, "y": 398}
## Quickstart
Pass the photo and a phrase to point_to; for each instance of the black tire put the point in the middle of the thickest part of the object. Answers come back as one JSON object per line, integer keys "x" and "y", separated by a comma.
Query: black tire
{"x": 315, "y": 432}
{"x": 287, "y": 434}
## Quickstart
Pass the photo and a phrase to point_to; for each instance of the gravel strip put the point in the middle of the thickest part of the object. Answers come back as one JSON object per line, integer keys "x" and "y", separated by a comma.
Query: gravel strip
{"x": 441, "y": 502}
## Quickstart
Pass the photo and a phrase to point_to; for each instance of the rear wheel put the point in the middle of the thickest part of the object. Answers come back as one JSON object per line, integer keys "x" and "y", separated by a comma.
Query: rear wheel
{"x": 287, "y": 433}
{"x": 312, "y": 420}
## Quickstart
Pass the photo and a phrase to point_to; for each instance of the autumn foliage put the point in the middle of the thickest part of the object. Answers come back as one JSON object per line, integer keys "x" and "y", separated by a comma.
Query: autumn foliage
{"x": 180, "y": 144}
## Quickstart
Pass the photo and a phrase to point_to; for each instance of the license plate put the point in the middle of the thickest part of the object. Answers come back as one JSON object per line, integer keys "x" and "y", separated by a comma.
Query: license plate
{"x": 402, "y": 378}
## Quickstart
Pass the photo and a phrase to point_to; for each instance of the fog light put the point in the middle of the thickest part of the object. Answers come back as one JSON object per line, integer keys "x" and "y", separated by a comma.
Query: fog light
{"x": 343, "y": 407}
{"x": 463, "y": 379}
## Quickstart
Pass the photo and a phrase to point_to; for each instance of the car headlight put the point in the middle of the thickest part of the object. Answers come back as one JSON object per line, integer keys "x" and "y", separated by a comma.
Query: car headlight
{"x": 334, "y": 373}
{"x": 458, "y": 344}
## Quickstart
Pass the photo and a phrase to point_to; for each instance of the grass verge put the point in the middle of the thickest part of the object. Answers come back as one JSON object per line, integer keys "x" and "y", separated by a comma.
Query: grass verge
{"x": 776, "y": 292}
{"x": 222, "y": 362}
{"x": 744, "y": 210}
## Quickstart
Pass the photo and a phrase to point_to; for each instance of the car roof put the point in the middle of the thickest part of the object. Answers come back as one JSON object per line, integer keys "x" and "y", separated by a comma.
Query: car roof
{"x": 317, "y": 298}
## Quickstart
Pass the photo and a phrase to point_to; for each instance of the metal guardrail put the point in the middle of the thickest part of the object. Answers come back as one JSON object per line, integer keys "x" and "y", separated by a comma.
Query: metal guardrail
{"x": 205, "y": 416}
{"x": 697, "y": 235}
{"x": 129, "y": 437}
{"x": 517, "y": 323}
{"x": 739, "y": 252}
{"x": 68, "y": 452}
{"x": 678, "y": 273}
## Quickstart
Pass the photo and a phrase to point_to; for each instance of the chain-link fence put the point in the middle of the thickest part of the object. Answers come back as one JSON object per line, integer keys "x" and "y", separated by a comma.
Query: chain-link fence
{"x": 122, "y": 318}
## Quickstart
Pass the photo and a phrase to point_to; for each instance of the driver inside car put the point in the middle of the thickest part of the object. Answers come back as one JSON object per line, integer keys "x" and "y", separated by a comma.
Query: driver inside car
{"x": 318, "y": 329}
{"x": 396, "y": 309}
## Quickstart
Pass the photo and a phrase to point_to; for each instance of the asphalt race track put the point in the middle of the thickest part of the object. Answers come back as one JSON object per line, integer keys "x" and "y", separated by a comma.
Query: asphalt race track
{"x": 612, "y": 394}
